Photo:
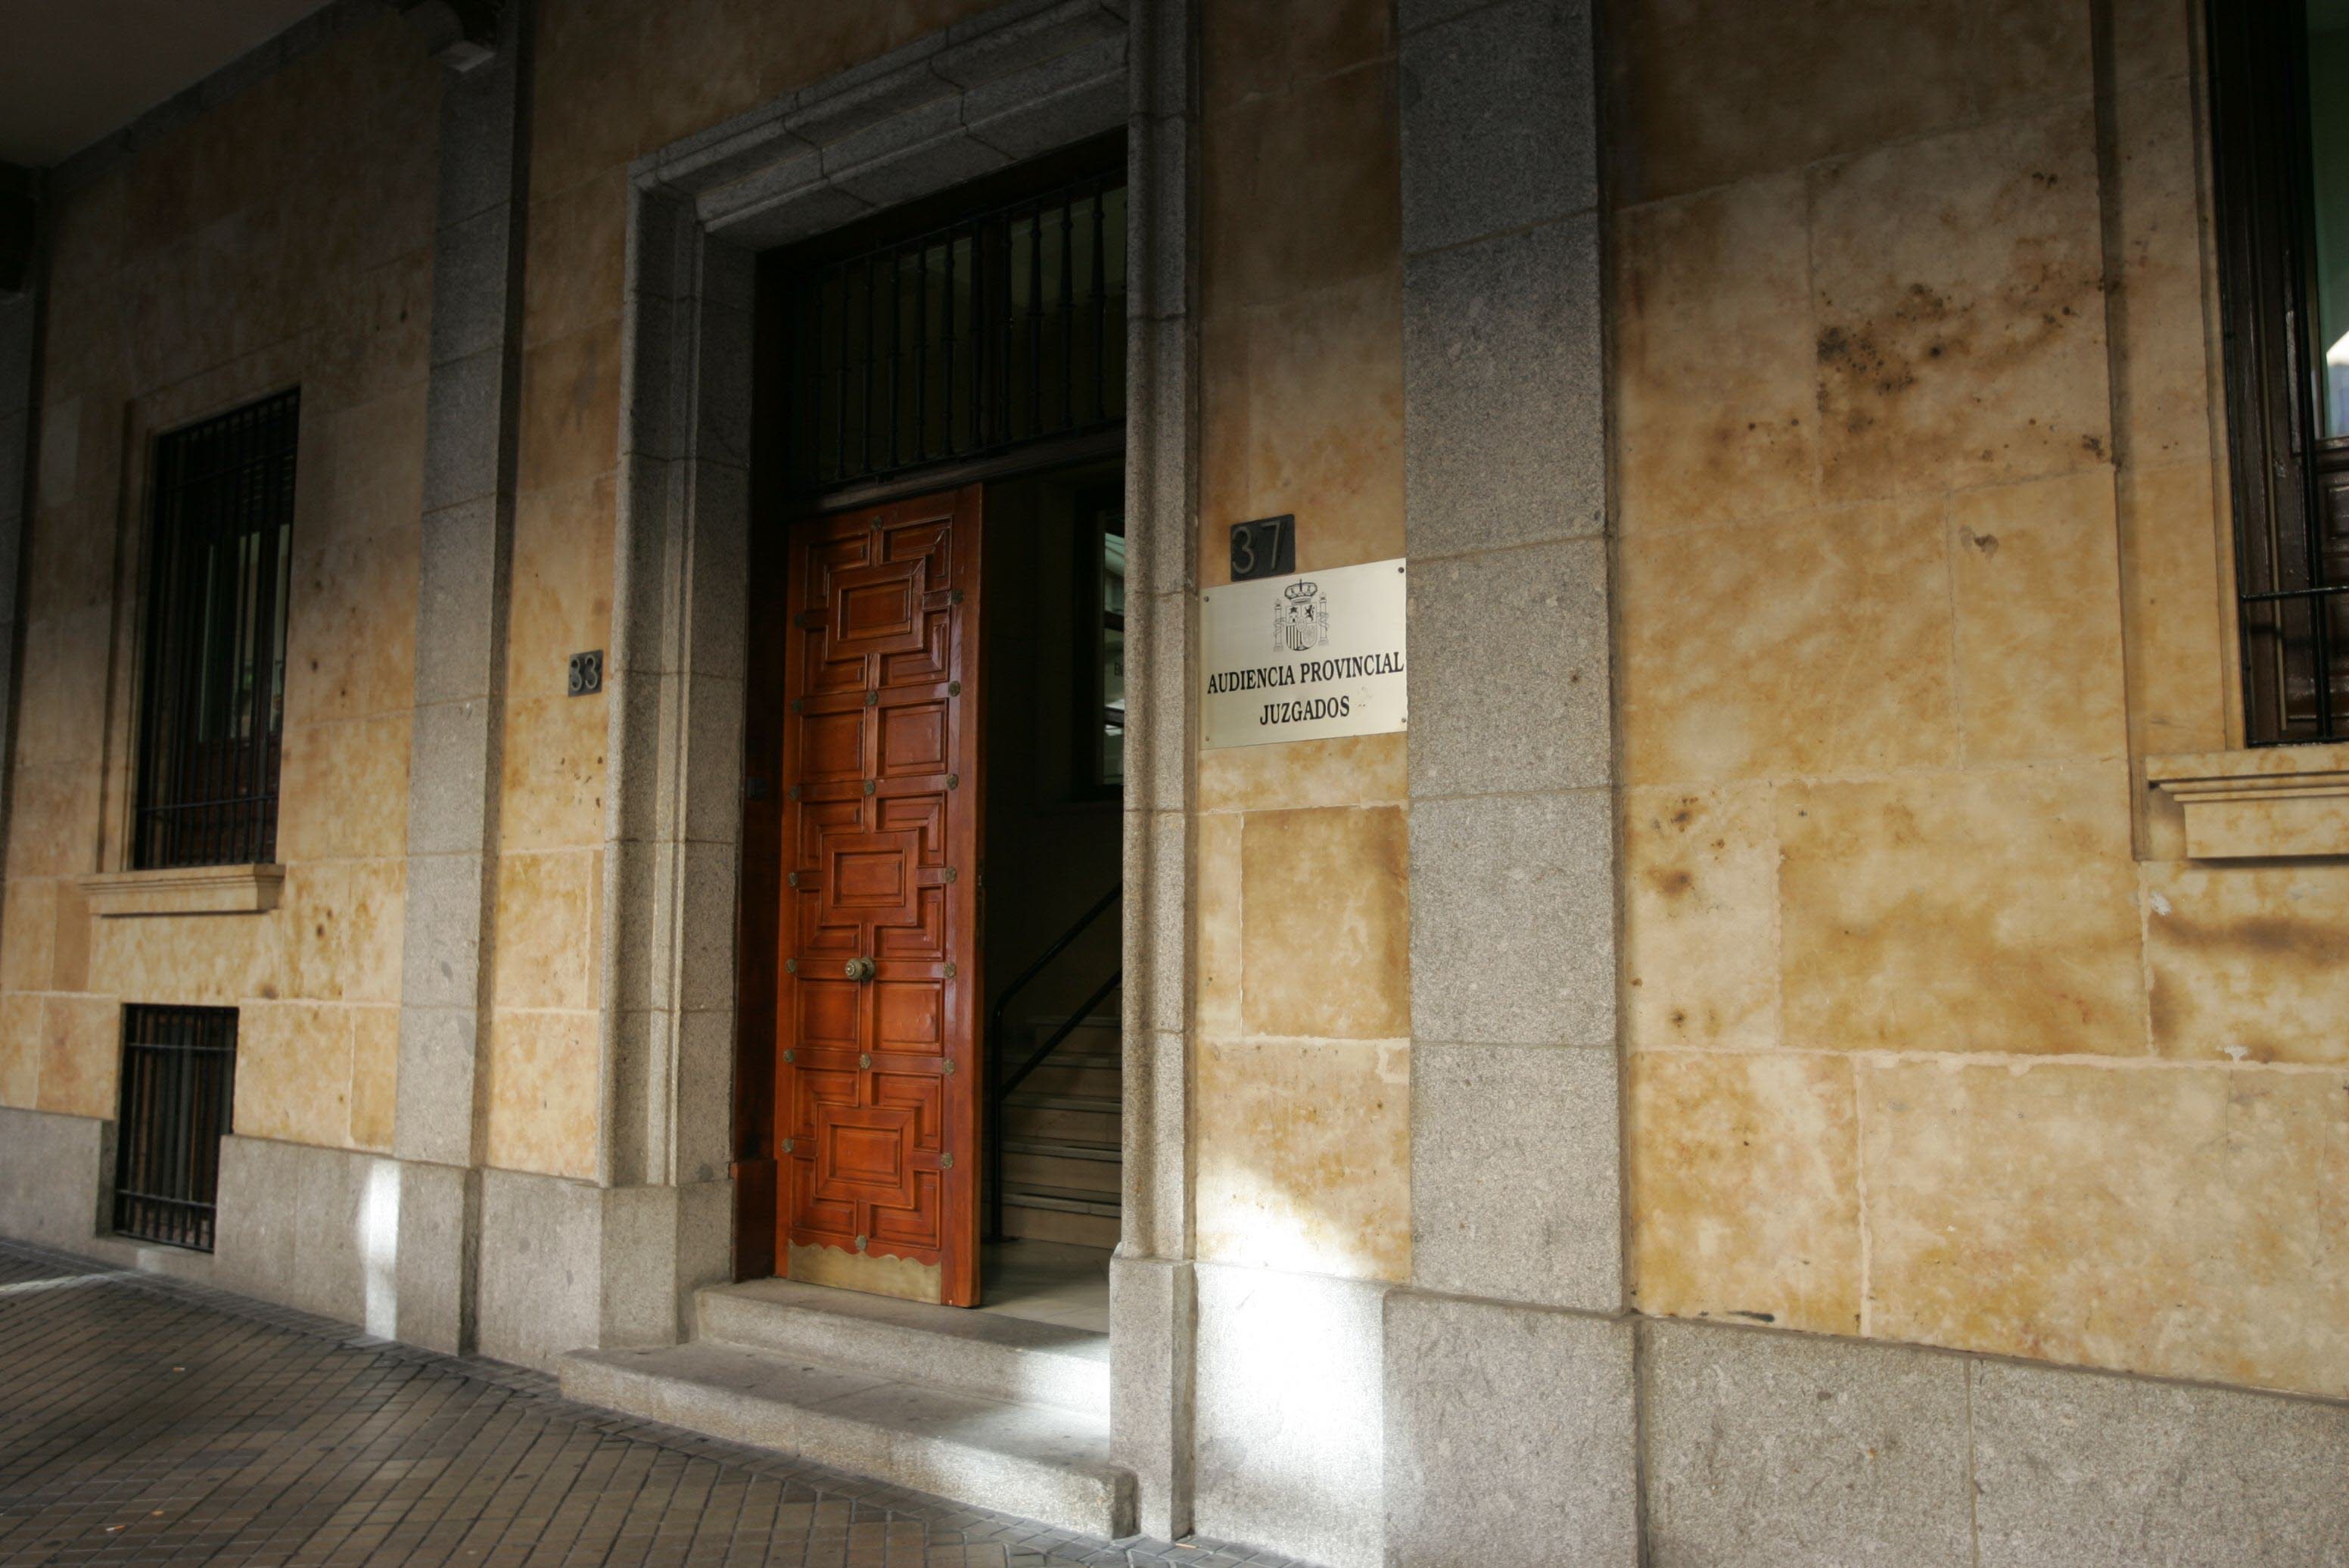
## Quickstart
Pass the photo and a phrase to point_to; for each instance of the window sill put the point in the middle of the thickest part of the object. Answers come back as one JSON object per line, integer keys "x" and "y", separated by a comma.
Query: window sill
{"x": 185, "y": 889}
{"x": 2276, "y": 802}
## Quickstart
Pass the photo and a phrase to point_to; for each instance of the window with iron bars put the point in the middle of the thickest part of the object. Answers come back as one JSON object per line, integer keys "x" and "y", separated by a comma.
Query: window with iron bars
{"x": 994, "y": 328}
{"x": 179, "y": 1085}
{"x": 212, "y": 704}
{"x": 2279, "y": 121}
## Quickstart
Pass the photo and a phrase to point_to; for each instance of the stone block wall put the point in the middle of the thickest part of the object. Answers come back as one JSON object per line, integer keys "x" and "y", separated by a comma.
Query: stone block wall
{"x": 1302, "y": 999}
{"x": 279, "y": 235}
{"x": 609, "y": 84}
{"x": 1935, "y": 1035}
{"x": 1889, "y": 541}
{"x": 1301, "y": 1060}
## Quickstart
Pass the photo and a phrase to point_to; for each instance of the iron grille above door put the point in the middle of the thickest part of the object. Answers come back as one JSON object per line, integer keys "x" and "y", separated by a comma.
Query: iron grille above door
{"x": 214, "y": 700}
{"x": 962, "y": 338}
{"x": 178, "y": 1085}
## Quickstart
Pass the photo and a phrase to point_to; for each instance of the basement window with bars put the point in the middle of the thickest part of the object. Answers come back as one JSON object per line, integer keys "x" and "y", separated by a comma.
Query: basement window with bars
{"x": 2279, "y": 121}
{"x": 213, "y": 703}
{"x": 178, "y": 1083}
{"x": 967, "y": 336}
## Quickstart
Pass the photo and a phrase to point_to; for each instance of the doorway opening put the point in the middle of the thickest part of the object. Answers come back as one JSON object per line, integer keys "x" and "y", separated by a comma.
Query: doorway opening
{"x": 1054, "y": 905}
{"x": 928, "y": 1085}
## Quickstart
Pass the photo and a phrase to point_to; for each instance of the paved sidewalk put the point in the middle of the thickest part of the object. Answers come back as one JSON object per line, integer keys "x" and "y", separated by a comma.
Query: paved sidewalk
{"x": 145, "y": 1420}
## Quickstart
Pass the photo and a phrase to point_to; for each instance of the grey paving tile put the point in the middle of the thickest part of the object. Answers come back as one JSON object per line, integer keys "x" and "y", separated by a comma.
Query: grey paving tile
{"x": 151, "y": 1421}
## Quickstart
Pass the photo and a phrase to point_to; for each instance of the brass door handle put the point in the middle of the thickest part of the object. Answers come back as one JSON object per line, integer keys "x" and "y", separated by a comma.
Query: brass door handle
{"x": 859, "y": 969}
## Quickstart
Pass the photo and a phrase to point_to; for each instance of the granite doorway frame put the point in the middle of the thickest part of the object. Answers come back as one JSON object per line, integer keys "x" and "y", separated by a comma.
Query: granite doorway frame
{"x": 1013, "y": 82}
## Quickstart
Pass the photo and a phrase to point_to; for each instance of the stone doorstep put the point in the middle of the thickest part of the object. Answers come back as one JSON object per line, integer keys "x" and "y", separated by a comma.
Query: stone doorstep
{"x": 1037, "y": 1462}
{"x": 988, "y": 1355}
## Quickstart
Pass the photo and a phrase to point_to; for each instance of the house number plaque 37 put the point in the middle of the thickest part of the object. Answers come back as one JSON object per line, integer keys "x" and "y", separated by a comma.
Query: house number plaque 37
{"x": 1265, "y": 548}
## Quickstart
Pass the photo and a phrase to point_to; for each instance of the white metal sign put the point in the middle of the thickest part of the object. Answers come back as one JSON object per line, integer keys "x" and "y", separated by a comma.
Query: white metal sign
{"x": 1305, "y": 657}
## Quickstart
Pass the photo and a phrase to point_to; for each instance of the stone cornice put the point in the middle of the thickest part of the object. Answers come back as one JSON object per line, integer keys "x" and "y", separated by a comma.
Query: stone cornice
{"x": 2277, "y": 802}
{"x": 1012, "y": 83}
{"x": 185, "y": 890}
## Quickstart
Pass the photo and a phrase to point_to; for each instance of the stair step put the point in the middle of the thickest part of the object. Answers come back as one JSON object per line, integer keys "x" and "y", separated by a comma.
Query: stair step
{"x": 1094, "y": 1127}
{"x": 1053, "y": 1225}
{"x": 979, "y": 1353}
{"x": 1093, "y": 1023}
{"x": 1102, "y": 1039}
{"x": 1065, "y": 1148}
{"x": 1106, "y": 1049}
{"x": 1066, "y": 1200}
{"x": 1074, "y": 1080}
{"x": 1038, "y": 1461}
{"x": 1045, "y": 1172}
{"x": 1069, "y": 1055}
{"x": 1101, "y": 1105}
{"x": 1043, "y": 1165}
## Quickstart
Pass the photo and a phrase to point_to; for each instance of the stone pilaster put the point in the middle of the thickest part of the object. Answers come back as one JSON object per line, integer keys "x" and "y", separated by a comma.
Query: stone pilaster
{"x": 455, "y": 760}
{"x": 1517, "y": 1183}
{"x": 1153, "y": 1287}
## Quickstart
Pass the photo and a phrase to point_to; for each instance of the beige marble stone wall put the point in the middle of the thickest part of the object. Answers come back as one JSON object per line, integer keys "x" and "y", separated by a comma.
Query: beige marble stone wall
{"x": 285, "y": 238}
{"x": 614, "y": 81}
{"x": 1303, "y": 1124}
{"x": 1935, "y": 1036}
{"x": 280, "y": 239}
{"x": 1301, "y": 1091}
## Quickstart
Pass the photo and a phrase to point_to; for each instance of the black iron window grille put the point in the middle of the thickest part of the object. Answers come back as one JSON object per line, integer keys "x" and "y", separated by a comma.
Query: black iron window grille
{"x": 999, "y": 328}
{"x": 2279, "y": 119}
{"x": 178, "y": 1083}
{"x": 213, "y": 701}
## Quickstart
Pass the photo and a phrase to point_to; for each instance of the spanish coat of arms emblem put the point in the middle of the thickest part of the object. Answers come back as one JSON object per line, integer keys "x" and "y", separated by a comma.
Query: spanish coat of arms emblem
{"x": 1301, "y": 619}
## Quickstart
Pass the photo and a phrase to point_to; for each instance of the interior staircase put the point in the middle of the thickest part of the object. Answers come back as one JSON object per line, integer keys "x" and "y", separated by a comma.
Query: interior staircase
{"x": 1001, "y": 1413}
{"x": 1060, "y": 1143}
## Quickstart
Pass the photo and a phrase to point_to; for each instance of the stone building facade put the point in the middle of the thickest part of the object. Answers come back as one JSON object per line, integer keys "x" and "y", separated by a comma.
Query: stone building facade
{"x": 1817, "y": 1045}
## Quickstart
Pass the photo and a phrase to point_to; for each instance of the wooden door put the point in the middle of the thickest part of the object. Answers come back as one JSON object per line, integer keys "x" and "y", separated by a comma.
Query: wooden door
{"x": 878, "y": 1072}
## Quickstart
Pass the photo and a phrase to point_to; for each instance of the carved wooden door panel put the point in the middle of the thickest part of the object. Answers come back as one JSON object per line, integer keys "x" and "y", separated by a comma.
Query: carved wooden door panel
{"x": 877, "y": 1076}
